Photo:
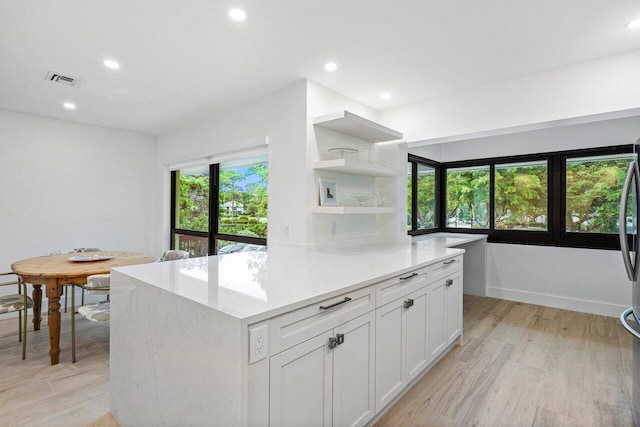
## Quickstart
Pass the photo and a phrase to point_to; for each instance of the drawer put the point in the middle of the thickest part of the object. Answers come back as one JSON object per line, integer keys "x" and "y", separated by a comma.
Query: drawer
{"x": 302, "y": 324}
{"x": 399, "y": 286}
{"x": 443, "y": 268}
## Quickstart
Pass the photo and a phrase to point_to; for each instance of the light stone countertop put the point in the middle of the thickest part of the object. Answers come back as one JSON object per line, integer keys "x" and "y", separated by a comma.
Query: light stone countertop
{"x": 253, "y": 286}
{"x": 450, "y": 240}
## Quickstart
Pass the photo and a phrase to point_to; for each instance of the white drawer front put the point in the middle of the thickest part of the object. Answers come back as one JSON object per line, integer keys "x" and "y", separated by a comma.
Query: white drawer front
{"x": 397, "y": 287}
{"x": 305, "y": 323}
{"x": 443, "y": 268}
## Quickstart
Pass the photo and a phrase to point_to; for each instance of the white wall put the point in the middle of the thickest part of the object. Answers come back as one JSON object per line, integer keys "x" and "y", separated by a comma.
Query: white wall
{"x": 66, "y": 185}
{"x": 349, "y": 228}
{"x": 586, "y": 135}
{"x": 280, "y": 116}
{"x": 586, "y": 280}
{"x": 589, "y": 88}
{"x": 286, "y": 118}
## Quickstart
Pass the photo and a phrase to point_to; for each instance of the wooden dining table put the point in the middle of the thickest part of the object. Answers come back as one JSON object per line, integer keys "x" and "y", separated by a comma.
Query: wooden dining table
{"x": 56, "y": 271}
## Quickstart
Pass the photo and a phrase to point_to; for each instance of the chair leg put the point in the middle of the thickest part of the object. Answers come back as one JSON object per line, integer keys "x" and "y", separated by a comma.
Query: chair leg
{"x": 73, "y": 324}
{"x": 82, "y": 296}
{"x": 24, "y": 332}
{"x": 22, "y": 329}
{"x": 65, "y": 298}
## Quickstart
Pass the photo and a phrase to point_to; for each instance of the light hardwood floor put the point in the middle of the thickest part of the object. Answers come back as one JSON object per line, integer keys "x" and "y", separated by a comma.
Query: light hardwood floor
{"x": 525, "y": 365}
{"x": 521, "y": 365}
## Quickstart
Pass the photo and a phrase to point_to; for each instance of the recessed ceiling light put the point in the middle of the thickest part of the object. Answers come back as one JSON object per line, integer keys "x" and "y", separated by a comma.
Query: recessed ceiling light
{"x": 110, "y": 63}
{"x": 237, "y": 14}
{"x": 330, "y": 66}
{"x": 633, "y": 24}
{"x": 385, "y": 95}
{"x": 69, "y": 106}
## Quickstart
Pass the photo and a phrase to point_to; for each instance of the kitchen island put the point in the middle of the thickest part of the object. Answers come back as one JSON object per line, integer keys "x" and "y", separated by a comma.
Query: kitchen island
{"x": 282, "y": 337}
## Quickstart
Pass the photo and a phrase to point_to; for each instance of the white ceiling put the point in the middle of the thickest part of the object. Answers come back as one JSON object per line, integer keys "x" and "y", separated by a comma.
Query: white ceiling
{"x": 180, "y": 57}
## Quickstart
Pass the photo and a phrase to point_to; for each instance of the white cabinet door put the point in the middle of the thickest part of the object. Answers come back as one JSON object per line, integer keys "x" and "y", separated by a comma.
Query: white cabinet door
{"x": 437, "y": 307}
{"x": 445, "y": 313}
{"x": 416, "y": 353}
{"x": 454, "y": 307}
{"x": 301, "y": 384}
{"x": 402, "y": 345}
{"x": 389, "y": 332}
{"x": 353, "y": 372}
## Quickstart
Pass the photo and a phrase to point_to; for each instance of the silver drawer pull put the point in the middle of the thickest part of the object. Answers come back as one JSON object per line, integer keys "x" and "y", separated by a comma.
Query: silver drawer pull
{"x": 449, "y": 282}
{"x": 346, "y": 299}
{"x": 409, "y": 276}
{"x": 449, "y": 262}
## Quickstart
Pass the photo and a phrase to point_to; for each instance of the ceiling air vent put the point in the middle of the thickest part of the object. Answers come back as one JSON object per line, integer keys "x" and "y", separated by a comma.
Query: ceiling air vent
{"x": 65, "y": 80}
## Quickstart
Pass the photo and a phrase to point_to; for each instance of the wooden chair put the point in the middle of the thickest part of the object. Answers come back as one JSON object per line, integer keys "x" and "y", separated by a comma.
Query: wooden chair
{"x": 100, "y": 312}
{"x": 19, "y": 302}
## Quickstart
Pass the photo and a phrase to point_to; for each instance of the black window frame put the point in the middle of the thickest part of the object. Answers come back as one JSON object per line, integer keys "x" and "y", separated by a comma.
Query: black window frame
{"x": 213, "y": 235}
{"x": 415, "y": 160}
{"x": 556, "y": 234}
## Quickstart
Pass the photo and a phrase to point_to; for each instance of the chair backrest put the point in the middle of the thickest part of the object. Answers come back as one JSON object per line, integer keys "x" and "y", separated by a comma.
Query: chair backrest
{"x": 64, "y": 251}
{"x": 172, "y": 255}
{"x": 16, "y": 281}
{"x": 75, "y": 250}
{"x": 98, "y": 282}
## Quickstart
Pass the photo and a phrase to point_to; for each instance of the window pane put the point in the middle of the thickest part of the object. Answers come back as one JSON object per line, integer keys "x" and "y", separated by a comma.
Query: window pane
{"x": 468, "y": 197}
{"x": 196, "y": 246}
{"x": 409, "y": 194}
{"x": 192, "y": 207}
{"x": 593, "y": 192}
{"x": 228, "y": 247}
{"x": 243, "y": 200}
{"x": 426, "y": 197}
{"x": 521, "y": 196}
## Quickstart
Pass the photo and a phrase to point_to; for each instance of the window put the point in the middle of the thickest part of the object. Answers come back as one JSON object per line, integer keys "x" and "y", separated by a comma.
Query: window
{"x": 426, "y": 214}
{"x": 468, "y": 197}
{"x": 568, "y": 198}
{"x": 422, "y": 196}
{"x": 220, "y": 208}
{"x": 242, "y": 206}
{"x": 593, "y": 187}
{"x": 190, "y": 213}
{"x": 409, "y": 196}
{"x": 521, "y": 196}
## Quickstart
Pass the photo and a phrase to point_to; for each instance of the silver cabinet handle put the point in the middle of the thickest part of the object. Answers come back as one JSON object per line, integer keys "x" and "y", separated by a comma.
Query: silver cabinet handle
{"x": 449, "y": 262}
{"x": 409, "y": 276}
{"x": 346, "y": 299}
{"x": 408, "y": 303}
{"x": 449, "y": 282}
{"x": 623, "y": 320}
{"x": 334, "y": 342}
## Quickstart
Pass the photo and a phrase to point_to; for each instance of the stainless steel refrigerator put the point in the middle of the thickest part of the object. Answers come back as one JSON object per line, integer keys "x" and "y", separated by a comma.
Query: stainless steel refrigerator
{"x": 630, "y": 318}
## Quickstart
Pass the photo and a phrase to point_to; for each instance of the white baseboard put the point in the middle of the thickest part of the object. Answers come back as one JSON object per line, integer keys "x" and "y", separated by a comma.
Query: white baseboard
{"x": 556, "y": 301}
